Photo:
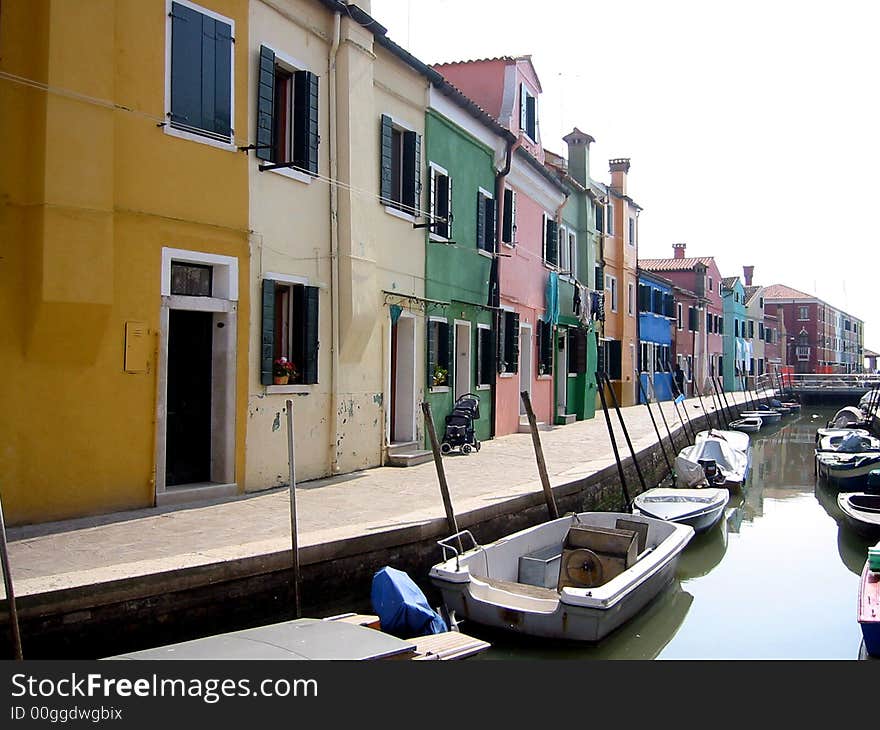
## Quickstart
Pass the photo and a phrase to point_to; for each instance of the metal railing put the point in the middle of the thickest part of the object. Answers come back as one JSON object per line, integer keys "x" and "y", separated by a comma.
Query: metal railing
{"x": 826, "y": 382}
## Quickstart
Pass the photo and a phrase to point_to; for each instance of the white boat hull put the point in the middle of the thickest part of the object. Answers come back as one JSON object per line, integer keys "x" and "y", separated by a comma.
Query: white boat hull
{"x": 846, "y": 471}
{"x": 577, "y": 614}
{"x": 702, "y": 509}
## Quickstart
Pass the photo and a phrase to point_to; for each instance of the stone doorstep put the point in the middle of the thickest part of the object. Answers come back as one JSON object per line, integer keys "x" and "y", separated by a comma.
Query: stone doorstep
{"x": 402, "y": 447}
{"x": 411, "y": 458}
{"x": 525, "y": 428}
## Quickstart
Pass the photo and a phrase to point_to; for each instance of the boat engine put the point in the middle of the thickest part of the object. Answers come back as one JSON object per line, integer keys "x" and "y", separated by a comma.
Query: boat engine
{"x": 873, "y": 485}
{"x": 711, "y": 470}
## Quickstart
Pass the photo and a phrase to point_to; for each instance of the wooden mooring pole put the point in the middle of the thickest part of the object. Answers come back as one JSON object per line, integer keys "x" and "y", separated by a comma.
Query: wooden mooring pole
{"x": 632, "y": 451}
{"x": 10, "y": 593}
{"x": 294, "y": 540}
{"x": 539, "y": 456}
{"x": 601, "y": 389}
{"x": 441, "y": 474}
{"x": 656, "y": 429}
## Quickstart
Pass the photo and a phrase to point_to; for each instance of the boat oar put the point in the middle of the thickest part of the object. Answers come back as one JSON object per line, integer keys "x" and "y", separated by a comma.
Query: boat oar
{"x": 294, "y": 541}
{"x": 539, "y": 456}
{"x": 656, "y": 430}
{"x": 10, "y": 594}
{"x": 601, "y": 389}
{"x": 441, "y": 474}
{"x": 626, "y": 434}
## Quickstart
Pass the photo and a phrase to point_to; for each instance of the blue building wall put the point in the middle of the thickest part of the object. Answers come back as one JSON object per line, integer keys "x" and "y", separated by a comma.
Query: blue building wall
{"x": 655, "y": 329}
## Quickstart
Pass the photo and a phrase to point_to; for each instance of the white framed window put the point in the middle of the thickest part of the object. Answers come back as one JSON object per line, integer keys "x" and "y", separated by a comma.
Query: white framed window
{"x": 572, "y": 253}
{"x": 609, "y": 223}
{"x": 551, "y": 241}
{"x": 508, "y": 222}
{"x": 485, "y": 357}
{"x": 400, "y": 166}
{"x": 564, "y": 251}
{"x": 528, "y": 113}
{"x": 630, "y": 299}
{"x": 611, "y": 288}
{"x": 440, "y": 203}
{"x": 440, "y": 354}
{"x": 632, "y": 231}
{"x": 290, "y": 321}
{"x": 678, "y": 315}
{"x": 193, "y": 33}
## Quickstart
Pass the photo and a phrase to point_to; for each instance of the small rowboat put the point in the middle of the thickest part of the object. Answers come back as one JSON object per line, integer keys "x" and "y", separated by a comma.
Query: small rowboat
{"x": 766, "y": 416}
{"x": 699, "y": 508}
{"x": 749, "y": 424}
{"x": 869, "y": 609}
{"x": 861, "y": 511}
{"x": 846, "y": 471}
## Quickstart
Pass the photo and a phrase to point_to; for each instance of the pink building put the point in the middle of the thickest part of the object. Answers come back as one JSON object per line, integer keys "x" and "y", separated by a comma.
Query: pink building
{"x": 529, "y": 199}
{"x": 698, "y": 322}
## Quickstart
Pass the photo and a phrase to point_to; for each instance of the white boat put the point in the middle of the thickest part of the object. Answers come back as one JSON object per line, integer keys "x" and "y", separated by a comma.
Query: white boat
{"x": 722, "y": 464}
{"x": 847, "y": 416}
{"x": 749, "y": 424}
{"x": 768, "y": 416}
{"x": 577, "y": 577}
{"x": 847, "y": 471}
{"x": 850, "y": 440}
{"x": 862, "y": 512}
{"x": 699, "y": 508}
{"x": 737, "y": 439}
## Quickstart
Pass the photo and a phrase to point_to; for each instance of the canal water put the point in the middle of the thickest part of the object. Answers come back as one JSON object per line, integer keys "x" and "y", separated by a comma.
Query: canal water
{"x": 777, "y": 579}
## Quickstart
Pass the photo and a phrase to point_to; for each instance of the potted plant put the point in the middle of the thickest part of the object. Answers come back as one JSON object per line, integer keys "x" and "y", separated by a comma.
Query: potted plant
{"x": 440, "y": 376}
{"x": 282, "y": 371}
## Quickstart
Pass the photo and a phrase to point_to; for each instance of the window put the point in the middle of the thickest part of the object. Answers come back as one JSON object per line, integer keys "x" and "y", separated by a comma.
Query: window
{"x": 508, "y": 342}
{"x": 439, "y": 361}
{"x": 599, "y": 277}
{"x": 485, "y": 356}
{"x": 544, "y": 343}
{"x": 630, "y": 298}
{"x": 751, "y": 328}
{"x": 632, "y": 231}
{"x": 440, "y": 201}
{"x": 761, "y": 302}
{"x": 564, "y": 250}
{"x": 609, "y": 360}
{"x": 290, "y": 330}
{"x": 803, "y": 313}
{"x": 400, "y": 163}
{"x": 528, "y": 113}
{"x": 577, "y": 351}
{"x": 599, "y": 215}
{"x": 711, "y": 285}
{"x": 572, "y": 253}
{"x": 611, "y": 287}
{"x": 761, "y": 331}
{"x": 192, "y": 280}
{"x": 678, "y": 315}
{"x": 609, "y": 227}
{"x": 199, "y": 91}
{"x": 551, "y": 241}
{"x": 693, "y": 322}
{"x": 287, "y": 114}
{"x": 485, "y": 221}
{"x": 508, "y": 223}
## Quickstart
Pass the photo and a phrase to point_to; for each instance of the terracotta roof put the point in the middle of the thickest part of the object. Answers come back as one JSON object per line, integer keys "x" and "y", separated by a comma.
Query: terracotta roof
{"x": 727, "y": 282}
{"x": 751, "y": 291}
{"x": 781, "y": 291}
{"x": 673, "y": 264}
{"x": 506, "y": 59}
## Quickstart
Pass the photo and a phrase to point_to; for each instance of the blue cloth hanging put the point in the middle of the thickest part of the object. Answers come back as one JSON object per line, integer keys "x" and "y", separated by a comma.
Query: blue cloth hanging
{"x": 396, "y": 309}
{"x": 552, "y": 312}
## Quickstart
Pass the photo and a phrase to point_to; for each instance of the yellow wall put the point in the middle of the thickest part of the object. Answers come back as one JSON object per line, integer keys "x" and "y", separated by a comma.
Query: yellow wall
{"x": 89, "y": 196}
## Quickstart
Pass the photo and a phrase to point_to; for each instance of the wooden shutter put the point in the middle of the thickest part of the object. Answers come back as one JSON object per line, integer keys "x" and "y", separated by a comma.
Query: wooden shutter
{"x": 507, "y": 217}
{"x": 186, "y": 76}
{"x": 601, "y": 365}
{"x": 551, "y": 243}
{"x": 267, "y": 342}
{"x": 429, "y": 359}
{"x": 531, "y": 117}
{"x": 580, "y": 351}
{"x": 523, "y": 104}
{"x": 481, "y": 221}
{"x": 490, "y": 224}
{"x": 486, "y": 356}
{"x": 385, "y": 168}
{"x": 449, "y": 207}
{"x": 310, "y": 335}
{"x": 305, "y": 123}
{"x": 511, "y": 345}
{"x": 265, "y": 104}
{"x": 500, "y": 347}
{"x": 545, "y": 346}
{"x": 614, "y": 359}
{"x": 412, "y": 161}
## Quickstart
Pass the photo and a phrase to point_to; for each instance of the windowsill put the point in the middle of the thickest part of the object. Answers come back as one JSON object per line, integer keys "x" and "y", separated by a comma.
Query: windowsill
{"x": 436, "y": 238}
{"x": 279, "y": 389}
{"x": 289, "y": 172}
{"x": 572, "y": 375}
{"x": 544, "y": 377}
{"x": 439, "y": 389}
{"x": 508, "y": 244}
{"x": 506, "y": 375}
{"x": 484, "y": 387}
{"x": 193, "y": 137}
{"x": 397, "y": 213}
{"x": 485, "y": 253}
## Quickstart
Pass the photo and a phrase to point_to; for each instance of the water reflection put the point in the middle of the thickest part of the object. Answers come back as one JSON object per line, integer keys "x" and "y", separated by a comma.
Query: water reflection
{"x": 851, "y": 546}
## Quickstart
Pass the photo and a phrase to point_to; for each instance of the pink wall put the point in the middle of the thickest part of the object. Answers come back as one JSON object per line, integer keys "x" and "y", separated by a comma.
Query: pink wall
{"x": 482, "y": 81}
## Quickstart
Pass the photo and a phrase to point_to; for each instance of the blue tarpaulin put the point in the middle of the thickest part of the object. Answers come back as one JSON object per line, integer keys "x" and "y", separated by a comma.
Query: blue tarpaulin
{"x": 401, "y": 607}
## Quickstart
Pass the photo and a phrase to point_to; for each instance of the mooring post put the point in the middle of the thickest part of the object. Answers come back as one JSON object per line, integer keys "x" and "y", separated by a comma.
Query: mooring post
{"x": 539, "y": 456}
{"x": 693, "y": 435}
{"x": 294, "y": 540}
{"x": 722, "y": 394}
{"x": 632, "y": 451}
{"x": 441, "y": 474}
{"x": 601, "y": 389}
{"x": 10, "y": 593}
{"x": 656, "y": 430}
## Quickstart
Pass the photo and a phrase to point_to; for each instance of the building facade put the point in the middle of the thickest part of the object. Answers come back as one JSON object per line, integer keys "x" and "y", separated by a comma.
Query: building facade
{"x": 656, "y": 316}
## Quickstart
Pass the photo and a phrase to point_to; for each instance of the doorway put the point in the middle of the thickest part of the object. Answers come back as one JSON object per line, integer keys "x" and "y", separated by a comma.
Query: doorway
{"x": 562, "y": 345}
{"x": 403, "y": 368}
{"x": 462, "y": 358}
{"x": 525, "y": 363}
{"x": 188, "y": 434}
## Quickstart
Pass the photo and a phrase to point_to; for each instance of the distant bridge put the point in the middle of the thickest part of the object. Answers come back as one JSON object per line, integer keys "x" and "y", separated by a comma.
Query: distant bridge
{"x": 823, "y": 388}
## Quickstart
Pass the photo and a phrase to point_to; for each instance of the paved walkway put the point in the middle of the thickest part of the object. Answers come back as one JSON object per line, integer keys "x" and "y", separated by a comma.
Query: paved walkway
{"x": 93, "y": 550}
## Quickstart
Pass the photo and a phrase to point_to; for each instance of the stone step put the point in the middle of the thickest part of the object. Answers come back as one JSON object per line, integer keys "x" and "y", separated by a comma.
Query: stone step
{"x": 402, "y": 447}
{"x": 525, "y": 428}
{"x": 409, "y": 458}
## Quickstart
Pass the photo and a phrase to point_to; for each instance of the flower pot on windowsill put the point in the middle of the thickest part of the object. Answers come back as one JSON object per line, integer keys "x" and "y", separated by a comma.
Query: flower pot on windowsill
{"x": 281, "y": 379}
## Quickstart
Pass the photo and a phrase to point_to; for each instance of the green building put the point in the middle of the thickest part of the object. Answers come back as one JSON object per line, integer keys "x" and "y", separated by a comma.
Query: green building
{"x": 733, "y": 295}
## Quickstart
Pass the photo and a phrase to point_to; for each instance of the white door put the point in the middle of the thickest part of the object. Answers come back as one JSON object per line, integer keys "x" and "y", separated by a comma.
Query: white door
{"x": 562, "y": 372}
{"x": 403, "y": 398}
{"x": 525, "y": 363}
{"x": 462, "y": 358}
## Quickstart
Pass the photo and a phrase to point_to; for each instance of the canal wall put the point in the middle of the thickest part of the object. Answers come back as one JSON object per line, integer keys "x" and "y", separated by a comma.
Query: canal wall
{"x": 131, "y": 613}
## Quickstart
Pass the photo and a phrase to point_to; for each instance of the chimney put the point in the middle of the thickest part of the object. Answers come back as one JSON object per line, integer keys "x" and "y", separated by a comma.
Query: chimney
{"x": 748, "y": 272}
{"x": 678, "y": 250}
{"x": 619, "y": 167}
{"x": 579, "y": 155}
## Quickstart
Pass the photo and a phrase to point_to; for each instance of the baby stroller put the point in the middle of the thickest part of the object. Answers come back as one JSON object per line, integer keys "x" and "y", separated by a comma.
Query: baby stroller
{"x": 460, "y": 425}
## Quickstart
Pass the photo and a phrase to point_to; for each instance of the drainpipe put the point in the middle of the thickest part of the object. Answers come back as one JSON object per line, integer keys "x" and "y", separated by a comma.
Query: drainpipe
{"x": 495, "y": 274}
{"x": 334, "y": 249}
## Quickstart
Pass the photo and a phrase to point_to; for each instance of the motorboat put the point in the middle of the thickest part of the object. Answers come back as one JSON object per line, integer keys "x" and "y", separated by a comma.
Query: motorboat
{"x": 846, "y": 471}
{"x": 699, "y": 508}
{"x": 737, "y": 439}
{"x": 577, "y": 577}
{"x": 749, "y": 424}
{"x": 849, "y": 441}
{"x": 870, "y": 401}
{"x": 869, "y": 603}
{"x": 767, "y": 416}
{"x": 846, "y": 417}
{"x": 839, "y": 433}
{"x": 721, "y": 463}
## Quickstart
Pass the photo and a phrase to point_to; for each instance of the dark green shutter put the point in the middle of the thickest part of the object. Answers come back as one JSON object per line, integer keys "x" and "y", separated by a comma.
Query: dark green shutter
{"x": 446, "y": 339}
{"x": 481, "y": 221}
{"x": 507, "y": 220}
{"x": 218, "y": 115}
{"x": 265, "y": 104}
{"x": 385, "y": 174}
{"x": 551, "y": 247}
{"x": 500, "y": 351}
{"x": 412, "y": 161}
{"x": 310, "y": 335}
{"x": 267, "y": 343}
{"x": 511, "y": 348}
{"x": 580, "y": 351}
{"x": 429, "y": 343}
{"x": 490, "y": 224}
{"x": 305, "y": 123}
{"x": 186, "y": 66}
{"x": 545, "y": 346}
{"x": 486, "y": 366}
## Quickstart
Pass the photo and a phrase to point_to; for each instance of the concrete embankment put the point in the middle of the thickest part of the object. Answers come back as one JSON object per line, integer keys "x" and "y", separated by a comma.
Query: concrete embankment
{"x": 95, "y": 587}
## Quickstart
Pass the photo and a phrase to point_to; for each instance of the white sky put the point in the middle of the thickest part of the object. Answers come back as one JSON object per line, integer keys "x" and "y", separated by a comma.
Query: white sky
{"x": 751, "y": 126}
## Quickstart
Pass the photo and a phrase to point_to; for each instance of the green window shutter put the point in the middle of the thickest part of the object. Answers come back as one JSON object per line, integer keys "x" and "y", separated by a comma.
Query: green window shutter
{"x": 267, "y": 343}
{"x": 481, "y": 221}
{"x": 305, "y": 123}
{"x": 580, "y": 351}
{"x": 186, "y": 71}
{"x": 539, "y": 341}
{"x": 551, "y": 247}
{"x": 545, "y": 346}
{"x": 430, "y": 345}
{"x": 385, "y": 159}
{"x": 490, "y": 224}
{"x": 265, "y": 104}
{"x": 412, "y": 160}
{"x": 449, "y": 215}
{"x": 500, "y": 339}
{"x": 310, "y": 334}
{"x": 512, "y": 344}
{"x": 446, "y": 342}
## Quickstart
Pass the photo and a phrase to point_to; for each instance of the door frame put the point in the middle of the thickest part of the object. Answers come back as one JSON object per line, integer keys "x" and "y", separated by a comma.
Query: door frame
{"x": 456, "y": 323}
{"x": 412, "y": 352}
{"x": 224, "y": 307}
{"x": 562, "y": 370}
{"x": 525, "y": 352}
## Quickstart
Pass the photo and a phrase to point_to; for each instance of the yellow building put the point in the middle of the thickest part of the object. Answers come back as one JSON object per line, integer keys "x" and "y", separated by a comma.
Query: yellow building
{"x": 124, "y": 267}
